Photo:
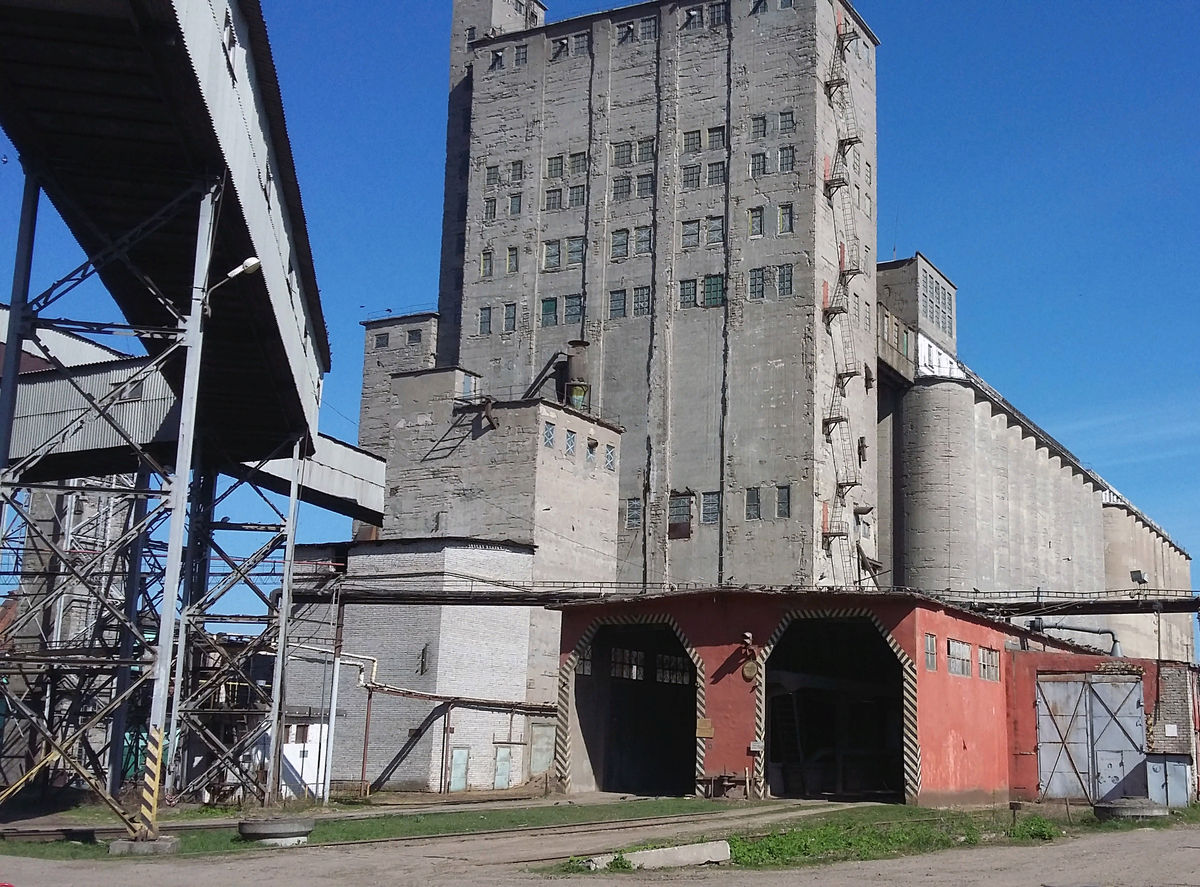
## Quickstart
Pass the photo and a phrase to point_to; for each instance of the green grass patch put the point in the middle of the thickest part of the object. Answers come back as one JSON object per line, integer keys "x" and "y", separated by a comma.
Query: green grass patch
{"x": 1034, "y": 828}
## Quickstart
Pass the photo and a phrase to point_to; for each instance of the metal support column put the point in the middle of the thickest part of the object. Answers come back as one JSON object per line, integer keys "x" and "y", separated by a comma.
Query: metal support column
{"x": 333, "y": 697}
{"x": 193, "y": 337}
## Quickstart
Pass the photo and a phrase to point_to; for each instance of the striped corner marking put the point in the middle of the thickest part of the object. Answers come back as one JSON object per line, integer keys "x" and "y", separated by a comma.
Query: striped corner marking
{"x": 150, "y": 783}
{"x": 912, "y": 748}
{"x": 566, "y": 677}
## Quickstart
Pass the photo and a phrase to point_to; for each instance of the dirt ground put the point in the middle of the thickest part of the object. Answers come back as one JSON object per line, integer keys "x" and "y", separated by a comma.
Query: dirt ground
{"x": 1144, "y": 858}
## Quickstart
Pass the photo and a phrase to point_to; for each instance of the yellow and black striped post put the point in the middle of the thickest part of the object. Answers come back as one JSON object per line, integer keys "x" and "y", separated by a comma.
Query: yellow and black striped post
{"x": 151, "y": 780}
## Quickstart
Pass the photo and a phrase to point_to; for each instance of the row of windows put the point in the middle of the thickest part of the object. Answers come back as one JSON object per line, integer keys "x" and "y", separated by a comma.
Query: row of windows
{"x": 937, "y": 303}
{"x": 630, "y": 665}
{"x": 679, "y": 507}
{"x": 413, "y": 338}
{"x": 549, "y": 437}
{"x": 958, "y": 658}
{"x": 509, "y": 320}
{"x": 572, "y": 310}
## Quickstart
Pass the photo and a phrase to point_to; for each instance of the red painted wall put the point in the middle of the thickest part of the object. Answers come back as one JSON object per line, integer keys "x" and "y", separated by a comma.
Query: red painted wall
{"x": 1021, "y": 670}
{"x": 960, "y": 720}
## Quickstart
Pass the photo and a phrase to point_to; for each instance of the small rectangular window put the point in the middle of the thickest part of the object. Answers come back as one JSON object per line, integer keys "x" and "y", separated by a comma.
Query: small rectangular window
{"x": 514, "y": 204}
{"x": 648, "y": 29}
{"x": 485, "y": 321}
{"x": 714, "y": 290}
{"x": 758, "y": 127}
{"x": 710, "y": 508}
{"x": 672, "y": 669}
{"x": 493, "y": 175}
{"x": 643, "y": 240}
{"x": 716, "y": 138}
{"x": 868, "y": 207}
{"x": 716, "y": 229}
{"x": 610, "y": 457}
{"x": 489, "y": 208}
{"x": 857, "y": 162}
{"x": 584, "y": 665}
{"x": 645, "y": 151}
{"x": 787, "y": 158}
{"x": 758, "y": 165}
{"x": 785, "y": 4}
{"x": 679, "y": 512}
{"x": 626, "y": 33}
{"x": 553, "y": 255}
{"x": 633, "y": 514}
{"x": 622, "y": 188}
{"x": 573, "y": 308}
{"x": 582, "y": 44}
{"x": 691, "y": 234}
{"x": 691, "y": 142}
{"x": 554, "y": 198}
{"x": 753, "y": 508}
{"x": 628, "y": 664}
{"x": 641, "y": 301}
{"x": 510, "y": 317}
{"x": 550, "y": 312}
{"x": 522, "y": 55}
{"x": 756, "y": 221}
{"x": 485, "y": 264}
{"x": 622, "y": 153}
{"x": 554, "y": 167}
{"x": 691, "y": 177}
{"x": 718, "y": 14}
{"x": 783, "y": 280}
{"x": 787, "y": 121}
{"x": 570, "y": 443}
{"x": 620, "y": 244}
{"x": 867, "y": 175}
{"x": 645, "y": 185}
{"x": 590, "y": 454}
{"x": 958, "y": 658}
{"x": 497, "y": 60}
{"x": 716, "y": 173}
{"x": 989, "y": 664}
{"x": 758, "y": 283}
{"x": 577, "y": 195}
{"x": 616, "y": 304}
{"x": 578, "y": 163}
{"x": 931, "y": 652}
{"x": 575, "y": 250}
{"x": 787, "y": 219}
{"x": 693, "y": 18}
{"x": 381, "y": 340}
{"x": 414, "y": 337}
{"x": 514, "y": 259}
{"x": 560, "y": 49}
{"x": 548, "y": 435}
{"x": 687, "y": 294}
{"x": 516, "y": 170}
{"x": 783, "y": 501}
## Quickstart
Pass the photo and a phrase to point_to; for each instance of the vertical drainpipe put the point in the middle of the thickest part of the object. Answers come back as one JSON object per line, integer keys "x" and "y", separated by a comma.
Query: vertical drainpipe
{"x": 366, "y": 743}
{"x": 721, "y": 436}
{"x": 333, "y": 700}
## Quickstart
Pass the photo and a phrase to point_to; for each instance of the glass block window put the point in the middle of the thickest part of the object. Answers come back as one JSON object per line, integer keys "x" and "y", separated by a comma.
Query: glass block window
{"x": 641, "y": 300}
{"x": 620, "y": 244}
{"x": 958, "y": 657}
{"x": 691, "y": 234}
{"x": 575, "y": 250}
{"x": 550, "y": 312}
{"x": 573, "y": 308}
{"x": 548, "y": 435}
{"x": 687, "y": 294}
{"x": 643, "y": 239}
{"x": 714, "y": 291}
{"x": 623, "y": 153}
{"x": 633, "y": 514}
{"x": 758, "y": 283}
{"x": 691, "y": 177}
{"x": 716, "y": 173}
{"x": 989, "y": 664}
{"x": 616, "y": 304}
{"x": 753, "y": 505}
{"x": 931, "y": 652}
{"x": 783, "y": 501}
{"x": 787, "y": 158}
{"x": 577, "y": 195}
{"x": 610, "y": 457}
{"x": 672, "y": 669}
{"x": 570, "y": 443}
{"x": 710, "y": 508}
{"x": 628, "y": 664}
{"x": 691, "y": 142}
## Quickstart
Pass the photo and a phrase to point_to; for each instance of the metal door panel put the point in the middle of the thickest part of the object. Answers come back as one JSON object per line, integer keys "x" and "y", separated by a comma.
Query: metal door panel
{"x": 458, "y": 769}
{"x": 503, "y": 765}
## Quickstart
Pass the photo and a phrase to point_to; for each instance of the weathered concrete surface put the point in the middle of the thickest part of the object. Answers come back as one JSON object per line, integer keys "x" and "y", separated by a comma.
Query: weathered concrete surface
{"x": 708, "y": 853}
{"x": 163, "y": 846}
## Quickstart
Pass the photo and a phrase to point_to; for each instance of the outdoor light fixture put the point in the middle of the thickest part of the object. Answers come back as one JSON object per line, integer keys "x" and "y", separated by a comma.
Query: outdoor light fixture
{"x": 1138, "y": 576}
{"x": 250, "y": 266}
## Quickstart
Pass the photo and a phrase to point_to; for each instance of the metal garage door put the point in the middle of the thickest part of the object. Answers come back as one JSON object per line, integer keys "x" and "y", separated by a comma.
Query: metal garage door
{"x": 1091, "y": 737}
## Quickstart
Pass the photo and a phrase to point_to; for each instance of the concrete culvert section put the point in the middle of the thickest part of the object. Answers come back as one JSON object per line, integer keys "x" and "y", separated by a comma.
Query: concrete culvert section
{"x": 636, "y": 698}
{"x": 834, "y": 712}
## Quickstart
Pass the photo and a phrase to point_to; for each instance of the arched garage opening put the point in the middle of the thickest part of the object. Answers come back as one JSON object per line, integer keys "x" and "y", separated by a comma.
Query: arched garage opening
{"x": 834, "y": 727}
{"x": 635, "y": 694}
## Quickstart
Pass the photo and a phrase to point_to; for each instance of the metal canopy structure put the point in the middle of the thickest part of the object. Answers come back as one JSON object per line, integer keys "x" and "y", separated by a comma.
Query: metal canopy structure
{"x": 156, "y": 129}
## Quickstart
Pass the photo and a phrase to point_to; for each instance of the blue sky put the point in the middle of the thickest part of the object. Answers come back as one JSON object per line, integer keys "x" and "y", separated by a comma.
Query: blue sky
{"x": 1043, "y": 156}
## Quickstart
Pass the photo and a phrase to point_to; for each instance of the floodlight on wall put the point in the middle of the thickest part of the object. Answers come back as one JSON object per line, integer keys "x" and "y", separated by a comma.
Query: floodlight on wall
{"x": 1138, "y": 576}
